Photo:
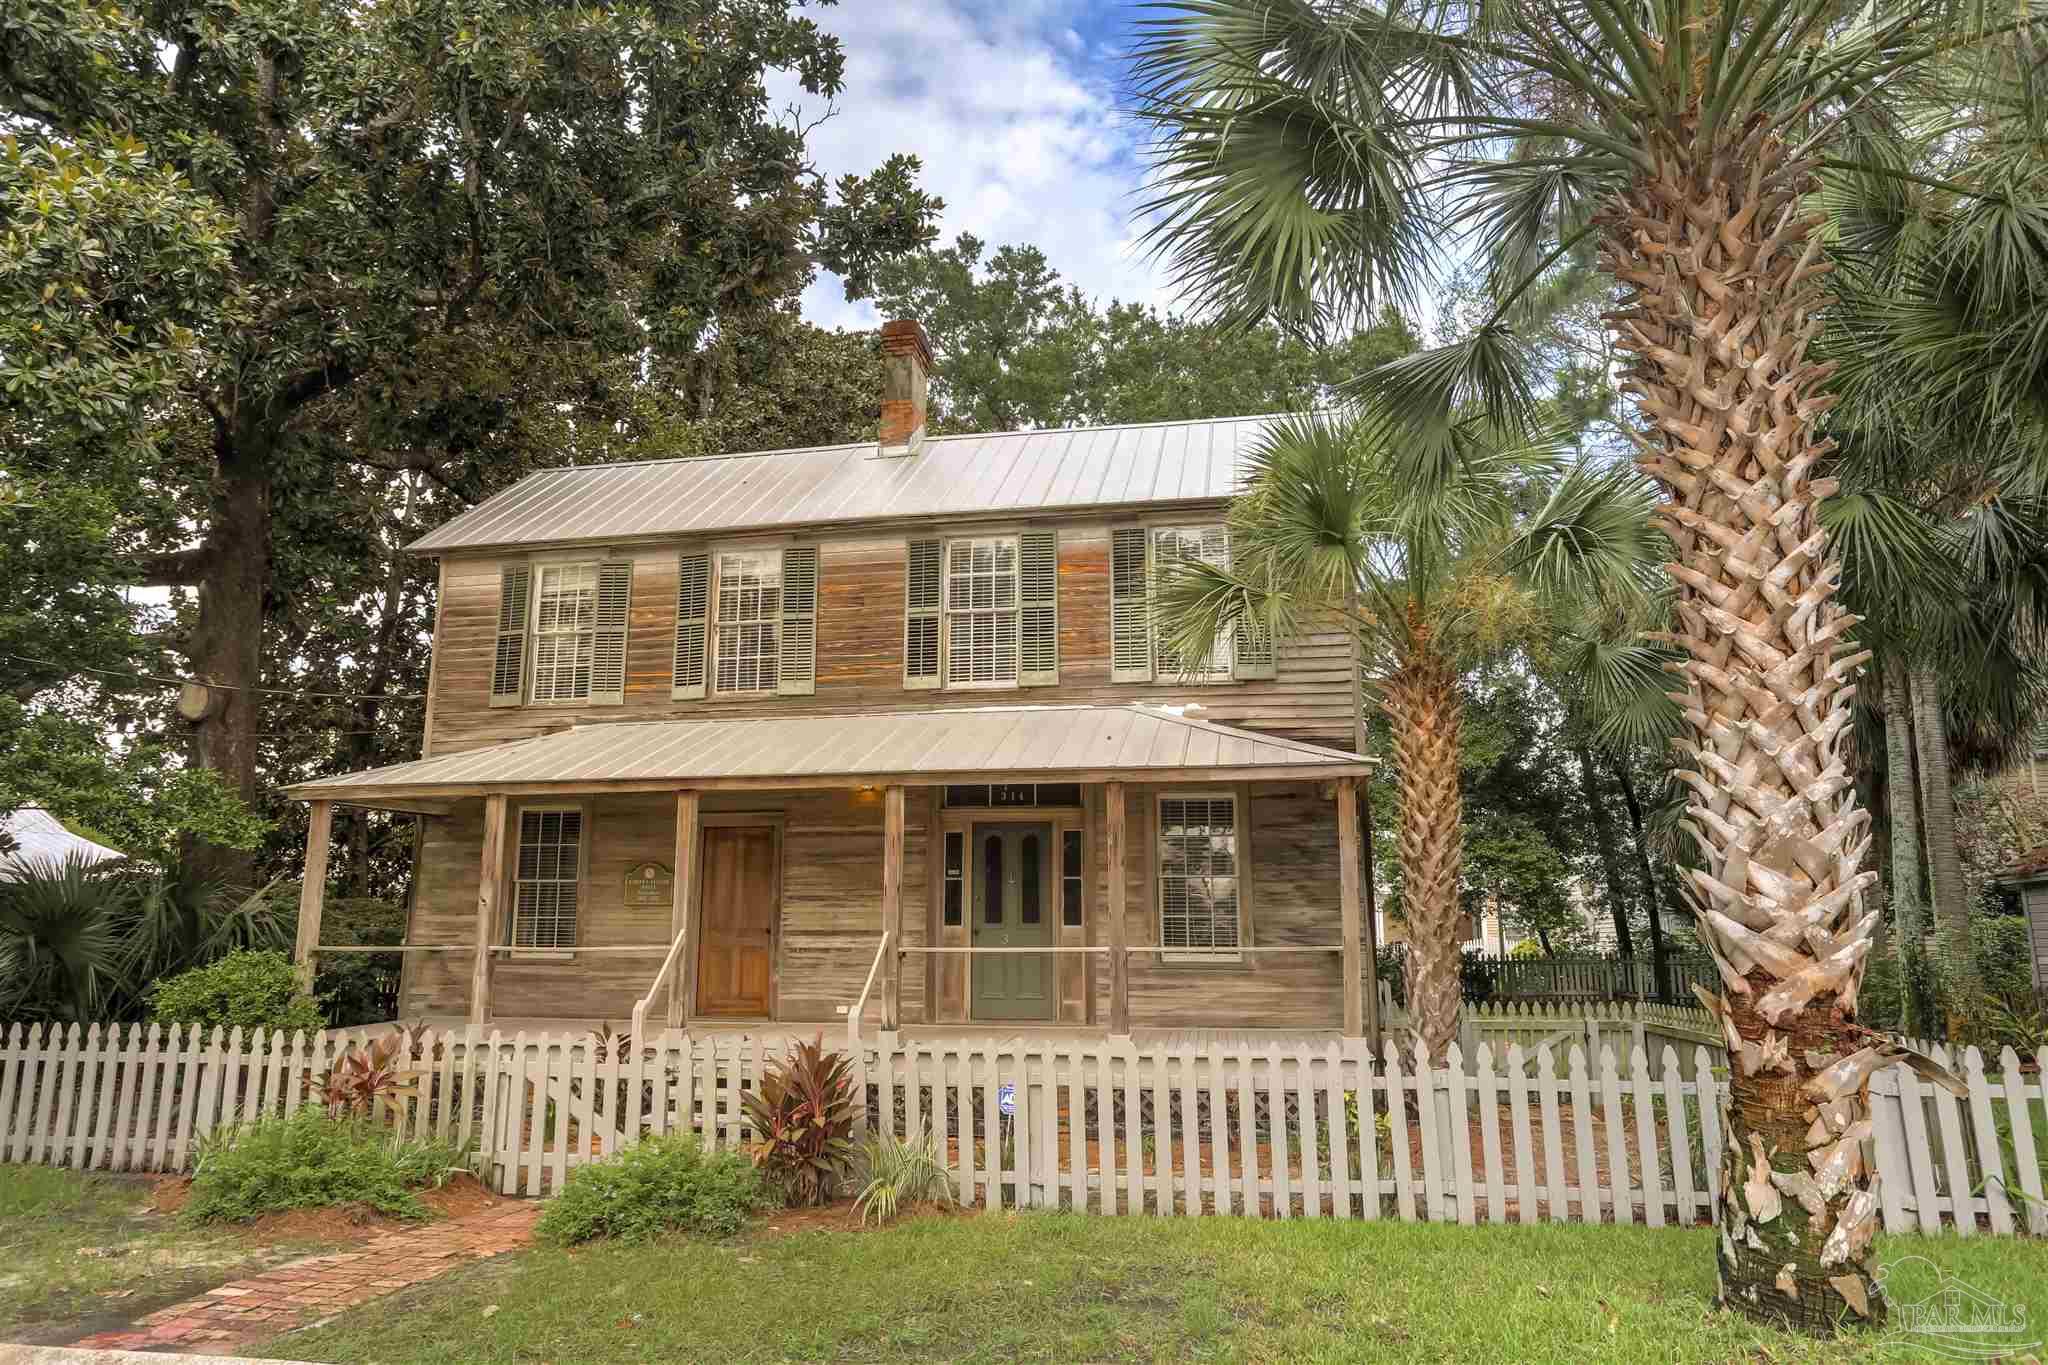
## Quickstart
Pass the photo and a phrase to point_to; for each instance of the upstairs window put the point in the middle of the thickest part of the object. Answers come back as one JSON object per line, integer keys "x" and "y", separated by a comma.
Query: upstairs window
{"x": 564, "y": 631}
{"x": 981, "y": 612}
{"x": 1140, "y": 646}
{"x": 749, "y": 620}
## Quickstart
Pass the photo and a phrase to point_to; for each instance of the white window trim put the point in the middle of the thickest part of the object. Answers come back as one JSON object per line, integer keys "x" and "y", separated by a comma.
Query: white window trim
{"x": 1160, "y": 675}
{"x": 539, "y": 565}
{"x": 714, "y": 619}
{"x": 514, "y": 819}
{"x": 1199, "y": 956}
{"x": 946, "y": 611}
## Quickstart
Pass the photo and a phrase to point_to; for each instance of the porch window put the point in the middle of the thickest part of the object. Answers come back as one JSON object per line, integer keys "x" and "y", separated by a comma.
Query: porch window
{"x": 749, "y": 620}
{"x": 548, "y": 879}
{"x": 564, "y": 631}
{"x": 1070, "y": 878}
{"x": 981, "y": 612}
{"x": 1198, "y": 901}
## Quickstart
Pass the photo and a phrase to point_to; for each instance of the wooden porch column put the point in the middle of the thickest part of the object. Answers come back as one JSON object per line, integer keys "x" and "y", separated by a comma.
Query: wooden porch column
{"x": 489, "y": 901}
{"x": 1348, "y": 901}
{"x": 1370, "y": 943}
{"x": 1119, "y": 958}
{"x": 313, "y": 889}
{"x": 685, "y": 890}
{"x": 892, "y": 906}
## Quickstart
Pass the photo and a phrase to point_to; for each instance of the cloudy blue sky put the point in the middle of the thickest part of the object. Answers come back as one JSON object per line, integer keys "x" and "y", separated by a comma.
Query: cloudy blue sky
{"x": 1012, "y": 104}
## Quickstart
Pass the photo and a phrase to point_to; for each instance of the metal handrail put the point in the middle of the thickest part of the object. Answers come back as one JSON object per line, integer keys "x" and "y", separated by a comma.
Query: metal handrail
{"x": 866, "y": 989}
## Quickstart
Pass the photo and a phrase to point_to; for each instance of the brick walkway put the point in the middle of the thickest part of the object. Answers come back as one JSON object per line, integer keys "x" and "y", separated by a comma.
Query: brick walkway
{"x": 320, "y": 1286}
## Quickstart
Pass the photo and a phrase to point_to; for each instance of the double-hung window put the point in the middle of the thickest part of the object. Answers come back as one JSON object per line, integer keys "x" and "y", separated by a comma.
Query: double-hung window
{"x": 749, "y": 649}
{"x": 562, "y": 633}
{"x": 1198, "y": 878}
{"x": 981, "y": 612}
{"x": 1141, "y": 641}
{"x": 547, "y": 879}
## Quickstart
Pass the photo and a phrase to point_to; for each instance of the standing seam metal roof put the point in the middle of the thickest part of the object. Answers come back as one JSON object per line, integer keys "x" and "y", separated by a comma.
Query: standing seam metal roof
{"x": 1022, "y": 471}
{"x": 1020, "y": 742}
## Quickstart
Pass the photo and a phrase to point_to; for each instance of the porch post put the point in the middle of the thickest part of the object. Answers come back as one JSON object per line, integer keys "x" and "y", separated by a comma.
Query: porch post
{"x": 1347, "y": 884}
{"x": 1119, "y": 958}
{"x": 1370, "y": 940}
{"x": 892, "y": 905}
{"x": 489, "y": 899}
{"x": 684, "y": 884}
{"x": 313, "y": 889}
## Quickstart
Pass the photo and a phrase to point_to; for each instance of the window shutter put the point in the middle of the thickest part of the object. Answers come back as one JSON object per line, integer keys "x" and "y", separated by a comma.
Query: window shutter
{"x": 796, "y": 672}
{"x": 1038, "y": 611}
{"x": 1254, "y": 649}
{"x": 508, "y": 666}
{"x": 1130, "y": 607}
{"x": 693, "y": 608}
{"x": 608, "y": 640}
{"x": 921, "y": 582}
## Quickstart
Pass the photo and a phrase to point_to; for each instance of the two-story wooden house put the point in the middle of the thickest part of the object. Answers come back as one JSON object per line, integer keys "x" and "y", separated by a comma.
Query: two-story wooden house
{"x": 777, "y": 736}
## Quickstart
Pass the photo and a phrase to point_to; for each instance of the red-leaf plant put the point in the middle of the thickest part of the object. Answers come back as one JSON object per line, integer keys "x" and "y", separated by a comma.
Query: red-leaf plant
{"x": 802, "y": 1117}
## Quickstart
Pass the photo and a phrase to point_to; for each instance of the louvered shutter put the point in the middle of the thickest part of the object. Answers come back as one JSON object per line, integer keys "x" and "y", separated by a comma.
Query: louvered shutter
{"x": 1130, "y": 607}
{"x": 796, "y": 671}
{"x": 1253, "y": 648}
{"x": 1038, "y": 612}
{"x": 508, "y": 665}
{"x": 608, "y": 640}
{"x": 693, "y": 609}
{"x": 921, "y": 585}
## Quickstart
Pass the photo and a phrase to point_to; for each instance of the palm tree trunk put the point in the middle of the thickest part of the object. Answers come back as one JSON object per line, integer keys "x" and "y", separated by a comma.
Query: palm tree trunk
{"x": 1424, "y": 712}
{"x": 1938, "y": 819}
{"x": 1610, "y": 856}
{"x": 1909, "y": 895}
{"x": 1722, "y": 272}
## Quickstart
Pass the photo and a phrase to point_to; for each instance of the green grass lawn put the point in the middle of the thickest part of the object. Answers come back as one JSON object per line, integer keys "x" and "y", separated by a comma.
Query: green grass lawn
{"x": 79, "y": 1253}
{"x": 1066, "y": 1288}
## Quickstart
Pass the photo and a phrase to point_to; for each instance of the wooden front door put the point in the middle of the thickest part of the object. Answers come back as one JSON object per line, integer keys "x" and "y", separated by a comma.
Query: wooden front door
{"x": 736, "y": 932}
{"x": 1013, "y": 908}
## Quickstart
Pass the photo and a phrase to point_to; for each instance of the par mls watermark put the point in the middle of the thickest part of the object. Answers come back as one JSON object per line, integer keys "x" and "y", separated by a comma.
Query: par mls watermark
{"x": 1934, "y": 1313}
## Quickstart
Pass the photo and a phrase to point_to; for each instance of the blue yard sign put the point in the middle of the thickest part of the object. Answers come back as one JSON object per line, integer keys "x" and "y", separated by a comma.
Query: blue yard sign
{"x": 1006, "y": 1098}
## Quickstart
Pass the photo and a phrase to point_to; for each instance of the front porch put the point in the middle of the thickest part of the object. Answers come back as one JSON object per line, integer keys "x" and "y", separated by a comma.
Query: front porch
{"x": 951, "y": 870}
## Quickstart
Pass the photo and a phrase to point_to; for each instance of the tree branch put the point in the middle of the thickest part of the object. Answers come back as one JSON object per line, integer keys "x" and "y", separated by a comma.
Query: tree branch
{"x": 177, "y": 569}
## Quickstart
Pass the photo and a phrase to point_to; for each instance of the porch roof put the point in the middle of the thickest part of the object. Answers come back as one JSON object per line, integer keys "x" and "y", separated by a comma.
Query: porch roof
{"x": 922, "y": 748}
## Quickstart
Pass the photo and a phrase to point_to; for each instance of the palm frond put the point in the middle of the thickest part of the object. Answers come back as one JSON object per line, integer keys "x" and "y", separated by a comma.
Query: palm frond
{"x": 1422, "y": 396}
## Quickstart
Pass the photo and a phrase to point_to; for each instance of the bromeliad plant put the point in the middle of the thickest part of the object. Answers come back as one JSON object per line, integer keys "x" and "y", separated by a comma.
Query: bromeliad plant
{"x": 802, "y": 1118}
{"x": 1312, "y": 155}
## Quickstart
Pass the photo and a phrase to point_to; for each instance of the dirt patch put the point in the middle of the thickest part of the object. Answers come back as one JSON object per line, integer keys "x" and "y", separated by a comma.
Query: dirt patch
{"x": 345, "y": 1223}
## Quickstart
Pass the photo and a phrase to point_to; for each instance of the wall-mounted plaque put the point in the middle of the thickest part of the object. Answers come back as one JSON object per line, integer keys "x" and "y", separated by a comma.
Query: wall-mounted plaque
{"x": 649, "y": 885}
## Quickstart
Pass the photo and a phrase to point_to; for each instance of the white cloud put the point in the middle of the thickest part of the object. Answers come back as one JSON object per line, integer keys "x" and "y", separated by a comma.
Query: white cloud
{"x": 1017, "y": 132}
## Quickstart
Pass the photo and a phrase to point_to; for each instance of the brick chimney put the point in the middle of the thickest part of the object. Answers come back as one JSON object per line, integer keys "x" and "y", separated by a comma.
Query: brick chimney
{"x": 906, "y": 370}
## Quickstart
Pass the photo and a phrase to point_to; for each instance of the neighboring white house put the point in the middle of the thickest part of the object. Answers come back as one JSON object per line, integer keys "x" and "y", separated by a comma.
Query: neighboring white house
{"x": 39, "y": 838}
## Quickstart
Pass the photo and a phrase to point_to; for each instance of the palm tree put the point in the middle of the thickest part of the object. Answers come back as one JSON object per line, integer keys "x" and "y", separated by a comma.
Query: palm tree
{"x": 1309, "y": 157}
{"x": 1433, "y": 564}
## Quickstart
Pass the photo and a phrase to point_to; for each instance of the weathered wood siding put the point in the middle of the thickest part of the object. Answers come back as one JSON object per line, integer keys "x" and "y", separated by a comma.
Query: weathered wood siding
{"x": 830, "y": 917}
{"x": 831, "y": 905}
{"x": 860, "y": 653}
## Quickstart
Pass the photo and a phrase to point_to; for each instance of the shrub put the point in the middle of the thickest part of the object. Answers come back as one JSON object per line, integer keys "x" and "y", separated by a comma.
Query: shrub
{"x": 308, "y": 1160}
{"x": 661, "y": 1184}
{"x": 901, "y": 1174}
{"x": 803, "y": 1122}
{"x": 249, "y": 990}
{"x": 370, "y": 1080}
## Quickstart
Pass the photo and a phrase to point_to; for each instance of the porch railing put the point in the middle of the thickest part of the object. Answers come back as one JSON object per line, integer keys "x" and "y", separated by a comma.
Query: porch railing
{"x": 867, "y": 988}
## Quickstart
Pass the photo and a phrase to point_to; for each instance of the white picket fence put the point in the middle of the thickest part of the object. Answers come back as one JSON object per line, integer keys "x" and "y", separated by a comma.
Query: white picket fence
{"x": 1324, "y": 1129}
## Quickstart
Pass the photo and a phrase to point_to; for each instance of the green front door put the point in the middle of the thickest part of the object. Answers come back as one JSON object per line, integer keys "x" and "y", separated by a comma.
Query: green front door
{"x": 1012, "y": 909}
